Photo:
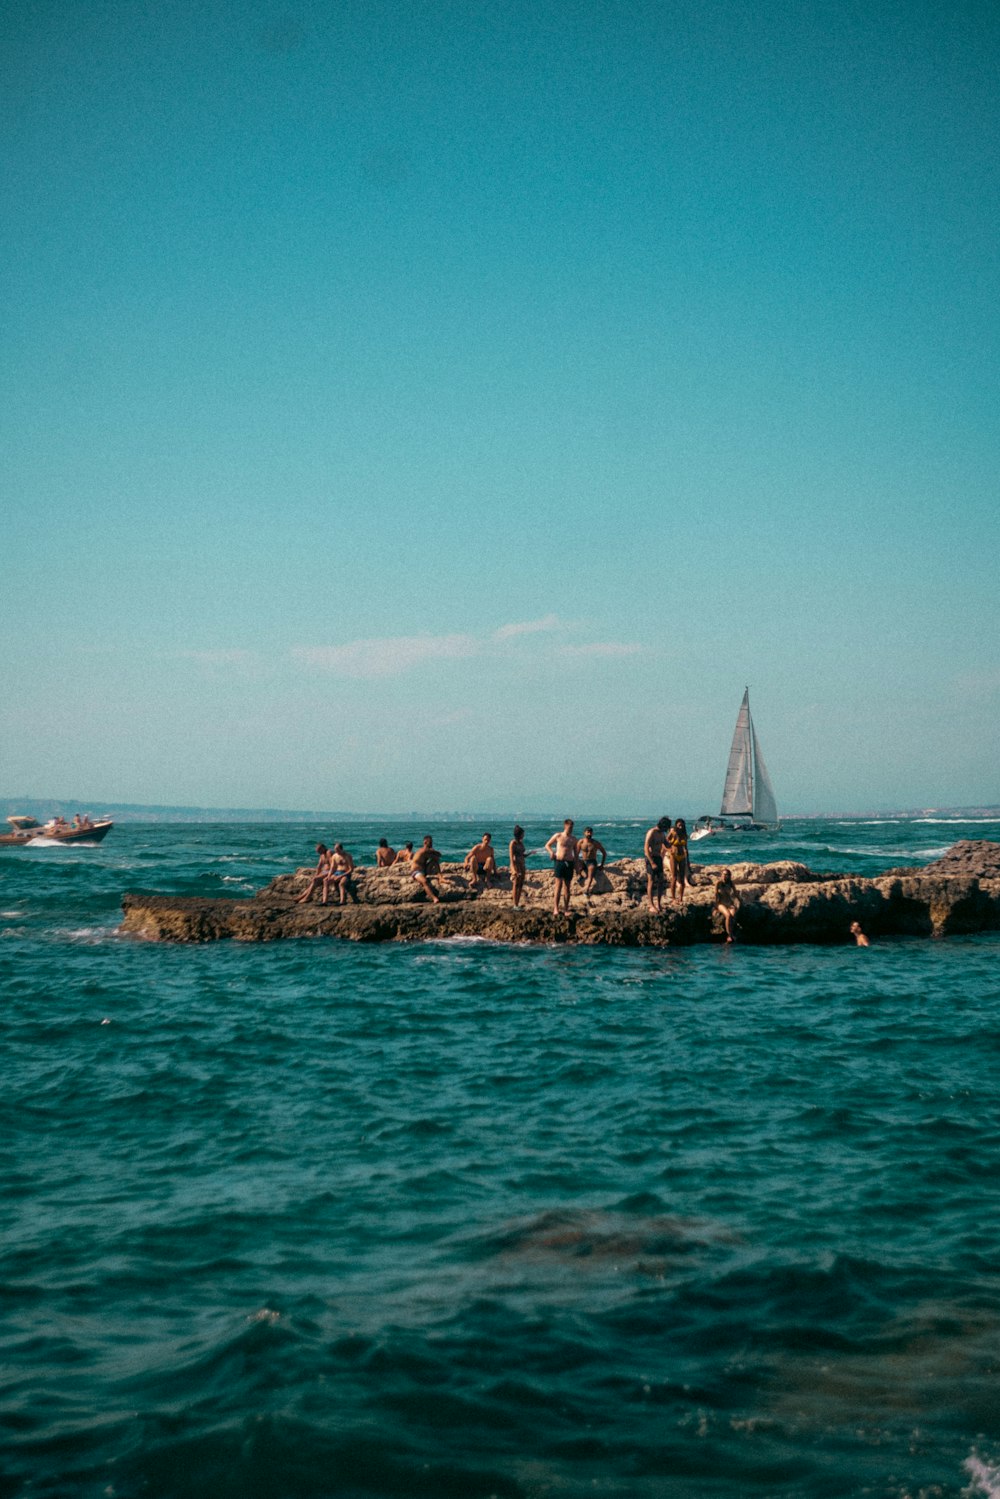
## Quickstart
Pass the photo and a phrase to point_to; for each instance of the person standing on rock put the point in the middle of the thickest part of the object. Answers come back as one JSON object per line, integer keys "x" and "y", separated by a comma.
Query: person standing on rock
{"x": 587, "y": 853}
{"x": 677, "y": 848}
{"x": 562, "y": 850}
{"x": 727, "y": 902}
{"x": 427, "y": 860}
{"x": 321, "y": 876}
{"x": 653, "y": 851}
{"x": 517, "y": 863}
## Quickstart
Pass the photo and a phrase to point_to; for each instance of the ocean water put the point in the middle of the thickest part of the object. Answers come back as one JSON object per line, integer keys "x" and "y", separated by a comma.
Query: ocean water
{"x": 461, "y": 1219}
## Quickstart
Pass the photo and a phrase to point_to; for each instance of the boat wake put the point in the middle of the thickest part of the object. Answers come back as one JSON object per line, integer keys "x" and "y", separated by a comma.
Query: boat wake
{"x": 42, "y": 842}
{"x": 985, "y": 1477}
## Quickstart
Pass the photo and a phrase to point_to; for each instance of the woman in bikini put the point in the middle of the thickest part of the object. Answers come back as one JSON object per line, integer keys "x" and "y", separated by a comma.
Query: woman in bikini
{"x": 321, "y": 875}
{"x": 677, "y": 848}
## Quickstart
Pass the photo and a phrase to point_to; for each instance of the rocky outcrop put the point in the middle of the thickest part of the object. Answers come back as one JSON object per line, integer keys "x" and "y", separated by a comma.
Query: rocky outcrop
{"x": 780, "y": 903}
{"x": 972, "y": 856}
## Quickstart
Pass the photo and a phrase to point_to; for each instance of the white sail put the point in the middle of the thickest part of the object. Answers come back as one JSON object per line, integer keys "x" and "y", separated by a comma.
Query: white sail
{"x": 737, "y": 795}
{"x": 765, "y": 808}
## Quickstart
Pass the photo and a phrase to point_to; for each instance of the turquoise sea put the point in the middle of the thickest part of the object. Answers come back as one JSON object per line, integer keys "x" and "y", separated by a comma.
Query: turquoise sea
{"x": 454, "y": 1220}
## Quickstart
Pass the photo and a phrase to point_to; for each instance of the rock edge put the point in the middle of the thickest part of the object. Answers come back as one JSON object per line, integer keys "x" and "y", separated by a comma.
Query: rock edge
{"x": 781, "y": 903}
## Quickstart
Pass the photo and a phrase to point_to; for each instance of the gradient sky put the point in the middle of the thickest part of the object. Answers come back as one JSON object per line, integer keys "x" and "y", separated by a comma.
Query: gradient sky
{"x": 454, "y": 406}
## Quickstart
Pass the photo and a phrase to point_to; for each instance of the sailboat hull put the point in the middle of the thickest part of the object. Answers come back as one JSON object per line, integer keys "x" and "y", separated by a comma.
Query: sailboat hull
{"x": 705, "y": 827}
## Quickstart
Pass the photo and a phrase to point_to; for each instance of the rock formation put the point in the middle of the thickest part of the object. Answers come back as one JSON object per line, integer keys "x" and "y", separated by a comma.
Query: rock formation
{"x": 780, "y": 903}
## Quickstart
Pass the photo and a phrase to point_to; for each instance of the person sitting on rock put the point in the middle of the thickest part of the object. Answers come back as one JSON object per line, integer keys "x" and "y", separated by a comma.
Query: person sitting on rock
{"x": 384, "y": 855}
{"x": 481, "y": 861}
{"x": 427, "y": 861}
{"x": 341, "y": 867}
{"x": 727, "y": 902}
{"x": 405, "y": 854}
{"x": 321, "y": 875}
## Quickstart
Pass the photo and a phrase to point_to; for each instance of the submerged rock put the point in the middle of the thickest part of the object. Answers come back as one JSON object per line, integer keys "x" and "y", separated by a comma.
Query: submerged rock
{"x": 780, "y": 903}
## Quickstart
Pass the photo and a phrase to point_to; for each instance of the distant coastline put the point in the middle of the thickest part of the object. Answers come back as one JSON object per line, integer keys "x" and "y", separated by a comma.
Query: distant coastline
{"x": 45, "y": 807}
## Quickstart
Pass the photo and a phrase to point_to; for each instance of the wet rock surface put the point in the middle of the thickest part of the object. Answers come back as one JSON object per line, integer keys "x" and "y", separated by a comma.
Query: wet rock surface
{"x": 782, "y": 902}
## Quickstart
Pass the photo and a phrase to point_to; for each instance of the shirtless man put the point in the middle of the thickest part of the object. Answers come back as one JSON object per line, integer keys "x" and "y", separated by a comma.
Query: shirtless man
{"x": 517, "y": 864}
{"x": 321, "y": 875}
{"x": 727, "y": 902}
{"x": 562, "y": 849}
{"x": 427, "y": 861}
{"x": 858, "y": 934}
{"x": 341, "y": 865}
{"x": 653, "y": 851}
{"x": 384, "y": 855}
{"x": 481, "y": 861}
{"x": 405, "y": 854}
{"x": 587, "y": 851}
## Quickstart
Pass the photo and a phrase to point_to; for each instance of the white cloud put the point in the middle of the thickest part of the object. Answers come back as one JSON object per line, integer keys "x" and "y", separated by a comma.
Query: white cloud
{"x": 528, "y": 627}
{"x": 608, "y": 649}
{"x": 385, "y": 658}
{"x": 392, "y": 656}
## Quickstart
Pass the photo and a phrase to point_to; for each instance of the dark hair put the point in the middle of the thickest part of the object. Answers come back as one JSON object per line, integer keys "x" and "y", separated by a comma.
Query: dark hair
{"x": 383, "y": 843}
{"x": 680, "y": 823}
{"x": 487, "y": 835}
{"x": 407, "y": 845}
{"x": 663, "y": 824}
{"x": 518, "y": 830}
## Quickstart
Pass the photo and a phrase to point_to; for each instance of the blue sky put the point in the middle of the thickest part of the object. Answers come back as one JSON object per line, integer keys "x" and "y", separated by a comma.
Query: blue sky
{"x": 455, "y": 406}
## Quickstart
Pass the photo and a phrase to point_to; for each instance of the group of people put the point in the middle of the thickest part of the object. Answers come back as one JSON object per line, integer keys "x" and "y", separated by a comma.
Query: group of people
{"x": 665, "y": 853}
{"x": 665, "y": 849}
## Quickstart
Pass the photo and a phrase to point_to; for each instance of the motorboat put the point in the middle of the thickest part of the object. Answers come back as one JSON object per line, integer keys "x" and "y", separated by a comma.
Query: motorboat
{"x": 25, "y": 830}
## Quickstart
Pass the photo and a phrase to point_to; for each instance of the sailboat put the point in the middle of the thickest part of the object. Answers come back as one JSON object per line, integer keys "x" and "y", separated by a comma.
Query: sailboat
{"x": 748, "y": 804}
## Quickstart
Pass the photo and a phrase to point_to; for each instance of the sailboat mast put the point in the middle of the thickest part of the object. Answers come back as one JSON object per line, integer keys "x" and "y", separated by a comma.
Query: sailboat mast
{"x": 751, "y": 758}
